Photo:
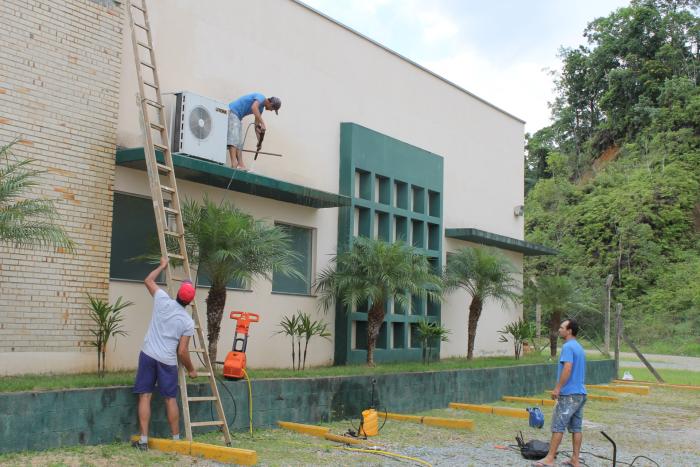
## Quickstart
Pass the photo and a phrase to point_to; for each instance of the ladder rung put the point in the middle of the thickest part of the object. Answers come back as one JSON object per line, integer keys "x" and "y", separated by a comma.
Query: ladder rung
{"x": 206, "y": 373}
{"x": 172, "y": 233}
{"x": 162, "y": 147}
{"x": 148, "y": 83}
{"x": 167, "y": 189}
{"x": 172, "y": 211}
{"x": 138, "y": 7}
{"x": 211, "y": 423}
{"x": 149, "y": 65}
{"x": 166, "y": 169}
{"x": 201, "y": 399}
{"x": 140, "y": 26}
{"x": 157, "y": 126}
{"x": 175, "y": 255}
{"x": 153, "y": 103}
{"x": 197, "y": 350}
{"x": 144, "y": 45}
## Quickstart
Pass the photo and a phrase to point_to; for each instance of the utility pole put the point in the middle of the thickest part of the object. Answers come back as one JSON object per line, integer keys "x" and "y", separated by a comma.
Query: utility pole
{"x": 538, "y": 320}
{"x": 606, "y": 313}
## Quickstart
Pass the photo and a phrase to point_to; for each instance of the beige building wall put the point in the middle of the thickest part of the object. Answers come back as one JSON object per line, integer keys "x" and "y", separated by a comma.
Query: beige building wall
{"x": 325, "y": 75}
{"x": 59, "y": 81}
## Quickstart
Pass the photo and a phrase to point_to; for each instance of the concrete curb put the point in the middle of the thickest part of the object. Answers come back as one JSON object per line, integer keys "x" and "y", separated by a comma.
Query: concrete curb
{"x": 208, "y": 451}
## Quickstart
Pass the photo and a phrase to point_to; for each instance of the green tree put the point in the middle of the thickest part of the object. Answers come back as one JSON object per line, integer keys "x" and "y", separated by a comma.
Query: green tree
{"x": 486, "y": 275}
{"x": 308, "y": 329}
{"x": 26, "y": 222}
{"x": 429, "y": 334}
{"x": 373, "y": 272}
{"x": 519, "y": 332}
{"x": 108, "y": 325}
{"x": 227, "y": 244}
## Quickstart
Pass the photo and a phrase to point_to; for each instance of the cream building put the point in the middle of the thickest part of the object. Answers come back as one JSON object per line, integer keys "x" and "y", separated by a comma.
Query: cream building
{"x": 372, "y": 143}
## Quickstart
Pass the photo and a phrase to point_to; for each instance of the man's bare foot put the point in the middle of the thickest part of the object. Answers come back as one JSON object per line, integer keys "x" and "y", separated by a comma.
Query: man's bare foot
{"x": 242, "y": 167}
{"x": 571, "y": 462}
{"x": 544, "y": 463}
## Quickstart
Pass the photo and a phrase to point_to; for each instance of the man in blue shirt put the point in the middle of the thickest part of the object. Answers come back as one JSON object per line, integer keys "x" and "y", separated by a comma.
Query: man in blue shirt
{"x": 570, "y": 394}
{"x": 255, "y": 104}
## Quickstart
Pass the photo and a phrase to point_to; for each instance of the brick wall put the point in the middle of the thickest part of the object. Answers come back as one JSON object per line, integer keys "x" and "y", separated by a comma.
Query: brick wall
{"x": 60, "y": 63}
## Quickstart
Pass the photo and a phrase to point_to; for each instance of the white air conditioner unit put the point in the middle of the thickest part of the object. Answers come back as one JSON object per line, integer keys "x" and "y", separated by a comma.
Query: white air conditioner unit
{"x": 198, "y": 125}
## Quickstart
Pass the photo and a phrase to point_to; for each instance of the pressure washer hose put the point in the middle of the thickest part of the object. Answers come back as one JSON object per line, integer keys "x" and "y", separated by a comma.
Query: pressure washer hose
{"x": 250, "y": 402}
{"x": 386, "y": 453}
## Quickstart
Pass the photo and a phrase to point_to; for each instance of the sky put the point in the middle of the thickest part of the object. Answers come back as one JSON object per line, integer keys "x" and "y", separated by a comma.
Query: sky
{"x": 503, "y": 51}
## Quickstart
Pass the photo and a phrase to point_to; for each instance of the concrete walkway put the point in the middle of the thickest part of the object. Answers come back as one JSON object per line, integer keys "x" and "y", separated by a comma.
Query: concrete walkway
{"x": 659, "y": 361}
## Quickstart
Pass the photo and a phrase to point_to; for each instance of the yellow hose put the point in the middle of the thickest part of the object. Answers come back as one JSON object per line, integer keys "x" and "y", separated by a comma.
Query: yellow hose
{"x": 250, "y": 403}
{"x": 386, "y": 453}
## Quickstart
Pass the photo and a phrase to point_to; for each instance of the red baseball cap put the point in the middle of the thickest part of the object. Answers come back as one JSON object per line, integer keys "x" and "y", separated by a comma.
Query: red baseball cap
{"x": 186, "y": 292}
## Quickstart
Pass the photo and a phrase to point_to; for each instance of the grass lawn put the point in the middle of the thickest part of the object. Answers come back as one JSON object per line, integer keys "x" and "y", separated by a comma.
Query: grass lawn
{"x": 670, "y": 376}
{"x": 126, "y": 378}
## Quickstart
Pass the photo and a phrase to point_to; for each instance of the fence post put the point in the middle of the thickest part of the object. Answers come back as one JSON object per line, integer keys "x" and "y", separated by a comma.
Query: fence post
{"x": 538, "y": 320}
{"x": 606, "y": 313}
{"x": 618, "y": 337}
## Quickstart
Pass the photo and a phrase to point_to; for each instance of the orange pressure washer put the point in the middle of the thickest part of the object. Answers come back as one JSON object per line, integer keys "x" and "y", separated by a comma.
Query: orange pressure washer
{"x": 234, "y": 365}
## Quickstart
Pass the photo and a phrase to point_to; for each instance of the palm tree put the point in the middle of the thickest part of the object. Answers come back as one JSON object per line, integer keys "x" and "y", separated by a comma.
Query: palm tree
{"x": 558, "y": 295}
{"x": 227, "y": 244}
{"x": 26, "y": 223}
{"x": 373, "y": 272}
{"x": 485, "y": 274}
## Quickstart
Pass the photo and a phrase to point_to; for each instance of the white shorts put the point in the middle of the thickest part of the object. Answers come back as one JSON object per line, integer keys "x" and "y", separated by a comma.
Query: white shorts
{"x": 233, "y": 138}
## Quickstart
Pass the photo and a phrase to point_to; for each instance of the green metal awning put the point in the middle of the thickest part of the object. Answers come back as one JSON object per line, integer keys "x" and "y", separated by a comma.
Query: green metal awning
{"x": 500, "y": 241}
{"x": 213, "y": 174}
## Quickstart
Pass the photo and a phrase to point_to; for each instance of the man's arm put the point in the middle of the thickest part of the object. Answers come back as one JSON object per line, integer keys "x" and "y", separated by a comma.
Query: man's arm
{"x": 150, "y": 280}
{"x": 259, "y": 122}
{"x": 563, "y": 378}
{"x": 183, "y": 354}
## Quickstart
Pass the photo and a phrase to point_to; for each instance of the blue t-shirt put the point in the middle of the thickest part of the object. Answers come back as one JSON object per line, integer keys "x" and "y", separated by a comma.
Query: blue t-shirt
{"x": 572, "y": 352}
{"x": 242, "y": 105}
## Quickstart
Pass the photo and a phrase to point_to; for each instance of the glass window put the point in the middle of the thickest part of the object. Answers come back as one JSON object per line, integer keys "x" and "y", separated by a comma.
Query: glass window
{"x": 301, "y": 242}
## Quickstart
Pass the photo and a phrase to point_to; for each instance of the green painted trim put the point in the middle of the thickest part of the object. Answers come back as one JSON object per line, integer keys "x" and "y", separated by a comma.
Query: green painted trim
{"x": 500, "y": 241}
{"x": 400, "y": 187}
{"x": 213, "y": 174}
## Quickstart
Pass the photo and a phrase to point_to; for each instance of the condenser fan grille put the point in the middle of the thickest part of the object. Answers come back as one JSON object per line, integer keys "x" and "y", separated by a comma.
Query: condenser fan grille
{"x": 200, "y": 122}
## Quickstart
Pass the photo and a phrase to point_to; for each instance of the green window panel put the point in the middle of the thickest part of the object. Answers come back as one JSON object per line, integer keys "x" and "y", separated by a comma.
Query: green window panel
{"x": 302, "y": 243}
{"x": 133, "y": 233}
{"x": 395, "y": 192}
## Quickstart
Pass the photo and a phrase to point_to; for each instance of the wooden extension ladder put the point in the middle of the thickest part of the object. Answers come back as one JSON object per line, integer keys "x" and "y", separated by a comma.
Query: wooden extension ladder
{"x": 166, "y": 203}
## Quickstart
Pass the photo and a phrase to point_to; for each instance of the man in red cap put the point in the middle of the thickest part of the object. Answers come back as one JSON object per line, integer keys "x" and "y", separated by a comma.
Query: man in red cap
{"x": 167, "y": 339}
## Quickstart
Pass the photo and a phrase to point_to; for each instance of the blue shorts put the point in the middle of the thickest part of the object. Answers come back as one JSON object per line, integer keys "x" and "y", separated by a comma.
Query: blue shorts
{"x": 150, "y": 372}
{"x": 568, "y": 413}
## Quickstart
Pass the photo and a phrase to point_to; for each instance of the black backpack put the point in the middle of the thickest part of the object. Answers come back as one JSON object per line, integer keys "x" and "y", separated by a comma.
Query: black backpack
{"x": 533, "y": 449}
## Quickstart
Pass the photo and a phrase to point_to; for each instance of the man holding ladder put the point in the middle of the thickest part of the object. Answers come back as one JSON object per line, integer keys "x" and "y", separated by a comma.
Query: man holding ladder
{"x": 167, "y": 339}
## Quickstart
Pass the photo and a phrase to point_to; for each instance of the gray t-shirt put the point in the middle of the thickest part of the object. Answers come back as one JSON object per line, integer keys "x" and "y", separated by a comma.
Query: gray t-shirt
{"x": 169, "y": 322}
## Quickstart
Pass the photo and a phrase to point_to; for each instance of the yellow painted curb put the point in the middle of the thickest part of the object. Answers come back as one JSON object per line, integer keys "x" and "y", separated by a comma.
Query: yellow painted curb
{"x": 529, "y": 400}
{"x": 505, "y": 411}
{"x": 462, "y": 423}
{"x": 472, "y": 407}
{"x": 313, "y": 430}
{"x": 641, "y": 390}
{"x": 595, "y": 397}
{"x": 662, "y": 385}
{"x": 208, "y": 451}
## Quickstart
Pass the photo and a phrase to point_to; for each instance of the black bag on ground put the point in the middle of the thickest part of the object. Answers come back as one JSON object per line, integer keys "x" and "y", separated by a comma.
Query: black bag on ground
{"x": 533, "y": 449}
